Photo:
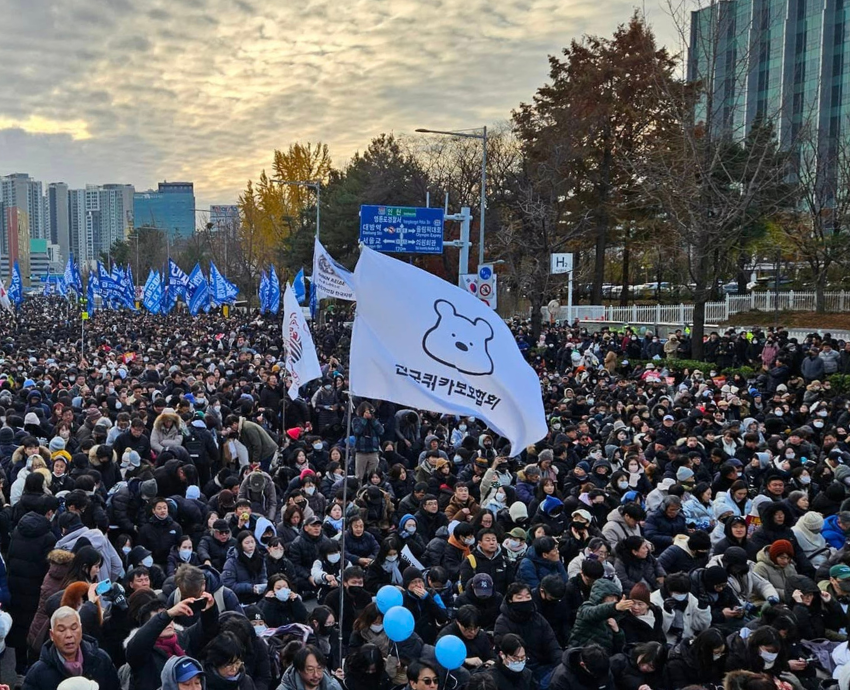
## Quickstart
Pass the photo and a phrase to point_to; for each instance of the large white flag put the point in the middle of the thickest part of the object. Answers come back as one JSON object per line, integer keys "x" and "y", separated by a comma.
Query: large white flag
{"x": 423, "y": 342}
{"x": 301, "y": 360}
{"x": 331, "y": 279}
{"x": 5, "y": 302}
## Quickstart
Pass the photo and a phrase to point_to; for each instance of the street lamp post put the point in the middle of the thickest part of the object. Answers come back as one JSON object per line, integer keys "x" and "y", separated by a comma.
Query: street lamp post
{"x": 312, "y": 185}
{"x": 483, "y": 138}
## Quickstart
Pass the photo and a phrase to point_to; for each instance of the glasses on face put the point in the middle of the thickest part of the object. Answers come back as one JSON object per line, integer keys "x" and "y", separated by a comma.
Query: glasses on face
{"x": 234, "y": 666}
{"x": 429, "y": 680}
{"x": 516, "y": 658}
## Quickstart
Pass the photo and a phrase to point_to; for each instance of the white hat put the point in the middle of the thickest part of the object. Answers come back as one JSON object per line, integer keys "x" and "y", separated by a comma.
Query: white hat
{"x": 78, "y": 683}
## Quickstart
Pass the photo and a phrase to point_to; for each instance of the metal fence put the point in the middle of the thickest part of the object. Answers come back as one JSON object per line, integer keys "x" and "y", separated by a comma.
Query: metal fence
{"x": 718, "y": 312}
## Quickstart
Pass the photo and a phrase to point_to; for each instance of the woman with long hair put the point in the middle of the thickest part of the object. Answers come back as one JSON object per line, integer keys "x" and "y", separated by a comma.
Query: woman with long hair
{"x": 245, "y": 569}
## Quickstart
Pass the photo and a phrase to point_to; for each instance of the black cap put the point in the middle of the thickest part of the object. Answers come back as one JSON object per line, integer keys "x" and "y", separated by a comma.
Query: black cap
{"x": 221, "y": 525}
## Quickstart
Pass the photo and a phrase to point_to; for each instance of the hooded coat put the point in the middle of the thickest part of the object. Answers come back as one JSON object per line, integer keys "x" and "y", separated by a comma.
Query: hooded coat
{"x": 770, "y": 532}
{"x": 541, "y": 645}
{"x": 660, "y": 529}
{"x": 590, "y": 626}
{"x": 533, "y": 568}
{"x": 162, "y": 437}
{"x": 59, "y": 564}
{"x": 616, "y": 529}
{"x": 169, "y": 682}
{"x": 49, "y": 670}
{"x": 26, "y": 564}
{"x": 159, "y": 536}
{"x": 770, "y": 571}
{"x": 571, "y": 675}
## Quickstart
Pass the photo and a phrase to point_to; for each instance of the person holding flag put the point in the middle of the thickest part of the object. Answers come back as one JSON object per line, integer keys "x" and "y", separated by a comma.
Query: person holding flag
{"x": 16, "y": 287}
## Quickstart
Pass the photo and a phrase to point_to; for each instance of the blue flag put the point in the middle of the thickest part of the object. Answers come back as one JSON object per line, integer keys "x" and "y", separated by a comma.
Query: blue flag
{"x": 69, "y": 277}
{"x": 223, "y": 291}
{"x": 274, "y": 292}
{"x": 263, "y": 292}
{"x": 107, "y": 287}
{"x": 199, "y": 297}
{"x": 61, "y": 287}
{"x": 314, "y": 300}
{"x": 16, "y": 287}
{"x": 93, "y": 291}
{"x": 299, "y": 288}
{"x": 177, "y": 280}
{"x": 129, "y": 288}
{"x": 48, "y": 288}
{"x": 152, "y": 293}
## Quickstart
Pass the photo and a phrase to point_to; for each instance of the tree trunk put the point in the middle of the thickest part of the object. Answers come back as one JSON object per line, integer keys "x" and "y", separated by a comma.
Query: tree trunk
{"x": 742, "y": 273}
{"x": 624, "y": 294}
{"x": 698, "y": 326}
{"x": 820, "y": 288}
{"x": 602, "y": 222}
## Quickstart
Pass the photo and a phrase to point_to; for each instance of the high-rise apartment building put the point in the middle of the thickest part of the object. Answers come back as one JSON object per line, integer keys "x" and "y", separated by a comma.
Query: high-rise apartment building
{"x": 21, "y": 191}
{"x": 98, "y": 217}
{"x": 58, "y": 218}
{"x": 171, "y": 208}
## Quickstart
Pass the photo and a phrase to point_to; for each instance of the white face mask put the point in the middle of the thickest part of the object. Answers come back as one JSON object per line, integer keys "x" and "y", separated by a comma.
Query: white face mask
{"x": 260, "y": 629}
{"x": 185, "y": 555}
{"x": 376, "y": 627}
{"x": 818, "y": 424}
{"x": 391, "y": 559}
{"x": 333, "y": 558}
{"x": 622, "y": 485}
{"x": 679, "y": 596}
{"x": 410, "y": 528}
{"x": 717, "y": 657}
{"x": 126, "y": 549}
{"x": 805, "y": 479}
{"x": 147, "y": 561}
{"x": 769, "y": 657}
{"x": 282, "y": 594}
{"x": 310, "y": 490}
{"x": 515, "y": 666}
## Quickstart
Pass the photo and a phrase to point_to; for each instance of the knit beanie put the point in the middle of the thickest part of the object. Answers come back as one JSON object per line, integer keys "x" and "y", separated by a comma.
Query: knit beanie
{"x": 57, "y": 443}
{"x": 779, "y": 547}
{"x": 715, "y": 575}
{"x": 683, "y": 474}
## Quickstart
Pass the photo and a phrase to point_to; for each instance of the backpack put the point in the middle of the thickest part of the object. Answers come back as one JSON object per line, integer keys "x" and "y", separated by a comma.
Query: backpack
{"x": 193, "y": 445}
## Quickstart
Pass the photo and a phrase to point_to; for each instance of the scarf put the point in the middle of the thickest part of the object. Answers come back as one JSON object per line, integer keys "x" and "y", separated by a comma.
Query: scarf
{"x": 253, "y": 563}
{"x": 810, "y": 542}
{"x": 463, "y": 547}
{"x": 169, "y": 645}
{"x": 75, "y": 667}
{"x": 391, "y": 567}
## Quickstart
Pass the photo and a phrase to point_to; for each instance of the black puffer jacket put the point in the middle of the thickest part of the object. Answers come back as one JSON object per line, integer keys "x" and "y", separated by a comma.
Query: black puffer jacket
{"x": 159, "y": 536}
{"x": 570, "y": 674}
{"x": 541, "y": 645}
{"x": 303, "y": 551}
{"x": 215, "y": 551}
{"x": 26, "y": 565}
{"x": 49, "y": 670}
{"x": 125, "y": 506}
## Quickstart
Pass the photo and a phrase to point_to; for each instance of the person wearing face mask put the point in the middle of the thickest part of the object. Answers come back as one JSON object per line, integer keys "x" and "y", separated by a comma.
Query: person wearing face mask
{"x": 408, "y": 532}
{"x": 455, "y": 551}
{"x": 182, "y": 552}
{"x": 683, "y": 615}
{"x": 763, "y": 651}
{"x": 280, "y": 605}
{"x": 386, "y": 568}
{"x": 245, "y": 570}
{"x": 696, "y": 661}
{"x": 428, "y": 609}
{"x": 776, "y": 524}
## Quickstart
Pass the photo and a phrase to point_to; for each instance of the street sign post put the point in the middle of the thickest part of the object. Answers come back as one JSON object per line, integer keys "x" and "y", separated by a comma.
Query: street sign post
{"x": 402, "y": 229}
{"x": 486, "y": 284}
{"x": 561, "y": 263}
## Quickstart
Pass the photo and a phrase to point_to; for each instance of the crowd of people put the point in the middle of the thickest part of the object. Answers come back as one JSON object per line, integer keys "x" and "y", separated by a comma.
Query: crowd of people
{"x": 169, "y": 518}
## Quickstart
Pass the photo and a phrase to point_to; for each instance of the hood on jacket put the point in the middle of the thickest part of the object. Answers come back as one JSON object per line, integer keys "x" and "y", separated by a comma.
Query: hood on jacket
{"x": 603, "y": 588}
{"x": 60, "y": 557}
{"x": 33, "y": 525}
{"x": 169, "y": 672}
{"x": 769, "y": 511}
{"x": 806, "y": 585}
{"x": 550, "y": 504}
{"x": 166, "y": 416}
{"x": 262, "y": 525}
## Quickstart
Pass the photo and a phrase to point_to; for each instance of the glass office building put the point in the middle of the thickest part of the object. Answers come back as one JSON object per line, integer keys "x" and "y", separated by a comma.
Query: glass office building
{"x": 786, "y": 60}
{"x": 171, "y": 208}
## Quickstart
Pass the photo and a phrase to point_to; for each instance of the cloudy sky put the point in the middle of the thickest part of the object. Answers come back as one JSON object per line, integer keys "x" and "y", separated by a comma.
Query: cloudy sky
{"x": 96, "y": 91}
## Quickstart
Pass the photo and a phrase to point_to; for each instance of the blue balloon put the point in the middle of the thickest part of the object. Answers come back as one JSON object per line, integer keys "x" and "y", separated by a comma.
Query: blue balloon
{"x": 388, "y": 597}
{"x": 451, "y": 652}
{"x": 398, "y": 623}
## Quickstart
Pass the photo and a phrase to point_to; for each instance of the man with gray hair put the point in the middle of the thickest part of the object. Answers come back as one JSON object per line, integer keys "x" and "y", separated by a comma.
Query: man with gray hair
{"x": 70, "y": 654}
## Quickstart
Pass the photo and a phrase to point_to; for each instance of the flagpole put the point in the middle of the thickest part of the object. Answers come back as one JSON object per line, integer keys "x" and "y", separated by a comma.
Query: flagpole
{"x": 344, "y": 519}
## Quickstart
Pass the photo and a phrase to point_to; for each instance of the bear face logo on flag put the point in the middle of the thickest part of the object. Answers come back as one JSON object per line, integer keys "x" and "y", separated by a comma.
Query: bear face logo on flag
{"x": 459, "y": 342}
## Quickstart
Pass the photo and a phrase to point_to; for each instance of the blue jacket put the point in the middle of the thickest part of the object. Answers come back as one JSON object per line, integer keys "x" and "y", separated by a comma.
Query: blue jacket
{"x": 834, "y": 535}
{"x": 660, "y": 529}
{"x": 367, "y": 434}
{"x": 533, "y": 568}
